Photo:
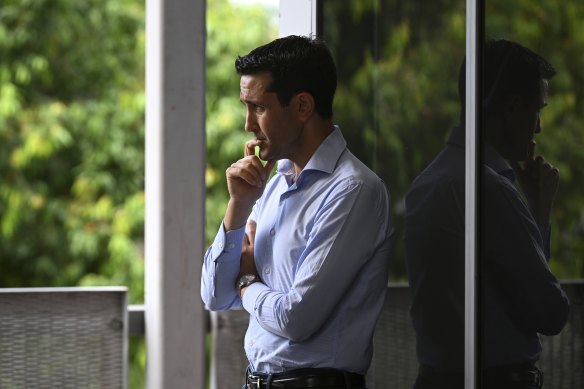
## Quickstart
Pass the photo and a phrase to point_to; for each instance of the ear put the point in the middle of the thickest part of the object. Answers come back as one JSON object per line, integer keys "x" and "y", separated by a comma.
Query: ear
{"x": 305, "y": 105}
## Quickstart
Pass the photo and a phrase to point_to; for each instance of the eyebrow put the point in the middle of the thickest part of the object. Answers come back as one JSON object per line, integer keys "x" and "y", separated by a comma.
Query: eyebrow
{"x": 252, "y": 102}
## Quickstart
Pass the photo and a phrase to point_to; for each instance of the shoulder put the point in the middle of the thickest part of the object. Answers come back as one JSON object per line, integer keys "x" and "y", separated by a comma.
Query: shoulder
{"x": 496, "y": 186}
{"x": 350, "y": 169}
{"x": 443, "y": 179}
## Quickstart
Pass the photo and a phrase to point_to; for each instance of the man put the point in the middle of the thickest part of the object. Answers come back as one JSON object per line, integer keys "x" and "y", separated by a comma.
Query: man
{"x": 312, "y": 268}
{"x": 519, "y": 297}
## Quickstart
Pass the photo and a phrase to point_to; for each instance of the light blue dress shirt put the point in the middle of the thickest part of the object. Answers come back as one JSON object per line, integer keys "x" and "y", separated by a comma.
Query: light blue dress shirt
{"x": 322, "y": 250}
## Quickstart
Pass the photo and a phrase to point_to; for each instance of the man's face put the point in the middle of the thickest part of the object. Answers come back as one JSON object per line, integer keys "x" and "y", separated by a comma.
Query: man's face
{"x": 523, "y": 124}
{"x": 275, "y": 127}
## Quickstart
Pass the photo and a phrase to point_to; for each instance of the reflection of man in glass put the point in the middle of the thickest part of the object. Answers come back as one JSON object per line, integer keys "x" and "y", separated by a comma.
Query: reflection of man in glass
{"x": 519, "y": 296}
{"x": 313, "y": 267}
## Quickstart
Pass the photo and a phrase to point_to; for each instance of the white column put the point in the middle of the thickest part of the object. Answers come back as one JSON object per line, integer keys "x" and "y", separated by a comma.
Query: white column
{"x": 473, "y": 99}
{"x": 175, "y": 192}
{"x": 297, "y": 17}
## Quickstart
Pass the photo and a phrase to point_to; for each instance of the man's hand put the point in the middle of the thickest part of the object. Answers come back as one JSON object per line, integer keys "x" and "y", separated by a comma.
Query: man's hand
{"x": 539, "y": 181}
{"x": 247, "y": 261}
{"x": 246, "y": 180}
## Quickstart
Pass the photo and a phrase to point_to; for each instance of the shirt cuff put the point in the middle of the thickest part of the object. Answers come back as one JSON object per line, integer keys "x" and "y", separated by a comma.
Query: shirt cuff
{"x": 227, "y": 241}
{"x": 251, "y": 295}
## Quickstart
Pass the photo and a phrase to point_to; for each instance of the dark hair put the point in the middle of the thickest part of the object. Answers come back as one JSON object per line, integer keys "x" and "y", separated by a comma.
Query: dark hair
{"x": 508, "y": 68}
{"x": 296, "y": 64}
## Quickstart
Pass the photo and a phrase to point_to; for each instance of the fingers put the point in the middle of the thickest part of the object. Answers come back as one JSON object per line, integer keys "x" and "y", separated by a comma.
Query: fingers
{"x": 530, "y": 151}
{"x": 528, "y": 164}
{"x": 537, "y": 167}
{"x": 251, "y": 231}
{"x": 547, "y": 174}
{"x": 264, "y": 170}
{"x": 543, "y": 173}
{"x": 249, "y": 148}
{"x": 249, "y": 169}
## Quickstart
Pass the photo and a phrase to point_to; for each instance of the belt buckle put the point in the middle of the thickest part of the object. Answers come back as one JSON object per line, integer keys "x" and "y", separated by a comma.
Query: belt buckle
{"x": 253, "y": 381}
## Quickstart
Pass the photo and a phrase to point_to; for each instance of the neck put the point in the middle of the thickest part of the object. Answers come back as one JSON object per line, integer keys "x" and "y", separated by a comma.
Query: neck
{"x": 313, "y": 135}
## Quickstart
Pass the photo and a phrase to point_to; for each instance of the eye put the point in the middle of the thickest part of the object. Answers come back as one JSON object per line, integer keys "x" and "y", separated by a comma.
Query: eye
{"x": 259, "y": 109}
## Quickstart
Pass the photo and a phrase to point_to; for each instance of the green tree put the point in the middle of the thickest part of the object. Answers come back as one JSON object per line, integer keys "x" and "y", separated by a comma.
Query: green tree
{"x": 72, "y": 138}
{"x": 71, "y": 130}
{"x": 232, "y": 30}
{"x": 554, "y": 30}
{"x": 72, "y": 146}
{"x": 397, "y": 98}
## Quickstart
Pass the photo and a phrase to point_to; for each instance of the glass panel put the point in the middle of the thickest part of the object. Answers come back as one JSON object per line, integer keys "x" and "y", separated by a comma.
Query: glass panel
{"x": 397, "y": 104}
{"x": 531, "y": 213}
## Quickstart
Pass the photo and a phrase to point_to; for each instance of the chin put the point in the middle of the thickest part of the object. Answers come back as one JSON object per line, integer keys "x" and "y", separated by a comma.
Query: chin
{"x": 265, "y": 156}
{"x": 515, "y": 155}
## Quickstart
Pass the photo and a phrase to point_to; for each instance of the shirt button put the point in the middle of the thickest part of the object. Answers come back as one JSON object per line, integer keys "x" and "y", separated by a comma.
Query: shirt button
{"x": 267, "y": 270}
{"x": 231, "y": 245}
{"x": 272, "y": 232}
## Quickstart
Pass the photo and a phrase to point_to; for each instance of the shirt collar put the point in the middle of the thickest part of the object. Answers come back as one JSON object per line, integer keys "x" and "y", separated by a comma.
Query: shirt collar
{"x": 495, "y": 161}
{"x": 324, "y": 158}
{"x": 491, "y": 157}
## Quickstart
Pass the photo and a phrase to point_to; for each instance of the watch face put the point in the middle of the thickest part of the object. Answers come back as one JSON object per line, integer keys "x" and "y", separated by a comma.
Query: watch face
{"x": 247, "y": 278}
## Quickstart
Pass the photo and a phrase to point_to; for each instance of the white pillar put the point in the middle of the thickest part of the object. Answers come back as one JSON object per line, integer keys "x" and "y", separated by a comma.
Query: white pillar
{"x": 298, "y": 17}
{"x": 473, "y": 34}
{"x": 175, "y": 192}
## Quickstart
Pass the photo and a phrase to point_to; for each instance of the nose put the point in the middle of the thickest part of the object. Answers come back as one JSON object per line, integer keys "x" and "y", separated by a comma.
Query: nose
{"x": 538, "y": 125}
{"x": 251, "y": 124}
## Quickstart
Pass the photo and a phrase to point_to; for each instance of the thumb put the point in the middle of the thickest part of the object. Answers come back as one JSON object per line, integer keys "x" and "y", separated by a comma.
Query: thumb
{"x": 251, "y": 231}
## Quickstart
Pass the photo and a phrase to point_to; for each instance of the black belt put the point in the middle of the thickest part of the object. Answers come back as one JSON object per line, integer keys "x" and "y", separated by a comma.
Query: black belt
{"x": 305, "y": 378}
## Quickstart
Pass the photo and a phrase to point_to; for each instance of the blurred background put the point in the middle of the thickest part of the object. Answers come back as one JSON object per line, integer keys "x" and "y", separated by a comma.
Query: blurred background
{"x": 72, "y": 120}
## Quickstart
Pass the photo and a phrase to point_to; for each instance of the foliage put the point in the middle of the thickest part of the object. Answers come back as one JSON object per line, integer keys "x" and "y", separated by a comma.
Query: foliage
{"x": 72, "y": 137}
{"x": 554, "y": 31}
{"x": 72, "y": 119}
{"x": 232, "y": 30}
{"x": 71, "y": 130}
{"x": 72, "y": 144}
{"x": 397, "y": 98}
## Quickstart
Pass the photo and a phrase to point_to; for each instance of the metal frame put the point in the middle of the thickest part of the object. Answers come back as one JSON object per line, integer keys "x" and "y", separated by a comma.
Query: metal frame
{"x": 53, "y": 313}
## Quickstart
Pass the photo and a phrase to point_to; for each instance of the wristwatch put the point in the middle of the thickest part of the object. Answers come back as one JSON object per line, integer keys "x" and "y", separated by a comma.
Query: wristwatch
{"x": 246, "y": 280}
